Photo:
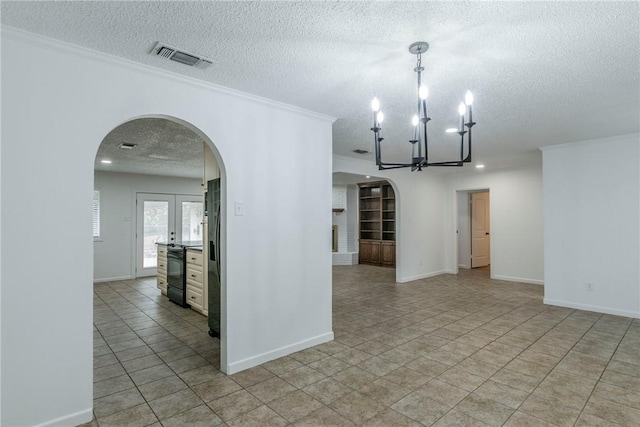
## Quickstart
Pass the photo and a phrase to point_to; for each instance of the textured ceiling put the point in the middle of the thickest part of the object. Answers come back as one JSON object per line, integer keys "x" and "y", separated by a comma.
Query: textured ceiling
{"x": 341, "y": 178}
{"x": 162, "y": 147}
{"x": 542, "y": 72}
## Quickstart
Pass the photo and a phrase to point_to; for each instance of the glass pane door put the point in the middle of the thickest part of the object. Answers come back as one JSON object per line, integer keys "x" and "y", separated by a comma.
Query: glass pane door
{"x": 155, "y": 230}
{"x": 155, "y": 224}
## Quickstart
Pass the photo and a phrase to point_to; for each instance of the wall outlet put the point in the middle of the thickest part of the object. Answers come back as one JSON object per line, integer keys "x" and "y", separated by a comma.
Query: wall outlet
{"x": 589, "y": 287}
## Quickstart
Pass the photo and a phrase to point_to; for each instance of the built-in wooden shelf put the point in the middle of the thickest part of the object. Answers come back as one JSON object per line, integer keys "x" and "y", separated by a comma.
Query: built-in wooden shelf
{"x": 377, "y": 224}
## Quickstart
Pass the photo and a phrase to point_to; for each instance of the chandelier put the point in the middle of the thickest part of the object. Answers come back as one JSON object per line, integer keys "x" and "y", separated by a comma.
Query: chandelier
{"x": 419, "y": 142}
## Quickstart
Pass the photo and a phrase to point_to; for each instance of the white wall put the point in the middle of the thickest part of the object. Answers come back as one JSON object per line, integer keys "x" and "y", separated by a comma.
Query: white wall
{"x": 274, "y": 301}
{"x": 516, "y": 220}
{"x": 340, "y": 218}
{"x": 346, "y": 197}
{"x": 592, "y": 225}
{"x": 420, "y": 221}
{"x": 114, "y": 254}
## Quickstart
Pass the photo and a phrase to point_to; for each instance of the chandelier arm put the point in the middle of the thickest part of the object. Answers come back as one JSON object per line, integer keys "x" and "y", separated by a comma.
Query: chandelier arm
{"x": 378, "y": 152}
{"x": 419, "y": 72}
{"x": 452, "y": 163}
{"x": 424, "y": 129}
{"x": 468, "y": 158}
{"x": 399, "y": 166}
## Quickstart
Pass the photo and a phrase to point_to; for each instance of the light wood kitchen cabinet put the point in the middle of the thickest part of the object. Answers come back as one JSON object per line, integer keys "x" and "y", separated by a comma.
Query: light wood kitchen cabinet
{"x": 195, "y": 282}
{"x": 162, "y": 269}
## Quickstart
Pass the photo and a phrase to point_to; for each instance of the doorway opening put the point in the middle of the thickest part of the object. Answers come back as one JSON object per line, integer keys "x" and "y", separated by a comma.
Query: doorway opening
{"x": 365, "y": 213}
{"x": 151, "y": 177}
{"x": 473, "y": 229}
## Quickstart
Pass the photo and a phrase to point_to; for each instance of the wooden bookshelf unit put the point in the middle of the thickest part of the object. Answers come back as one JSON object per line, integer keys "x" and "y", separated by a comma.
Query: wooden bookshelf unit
{"x": 377, "y": 223}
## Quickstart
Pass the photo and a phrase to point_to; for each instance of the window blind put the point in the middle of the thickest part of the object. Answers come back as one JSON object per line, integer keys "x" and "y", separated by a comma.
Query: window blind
{"x": 96, "y": 214}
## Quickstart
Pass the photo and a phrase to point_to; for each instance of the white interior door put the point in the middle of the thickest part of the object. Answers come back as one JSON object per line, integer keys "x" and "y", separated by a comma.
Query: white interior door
{"x": 165, "y": 218}
{"x": 480, "y": 232}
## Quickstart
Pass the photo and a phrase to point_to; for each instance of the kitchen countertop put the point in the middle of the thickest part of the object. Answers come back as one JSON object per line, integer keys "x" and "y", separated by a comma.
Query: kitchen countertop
{"x": 196, "y": 246}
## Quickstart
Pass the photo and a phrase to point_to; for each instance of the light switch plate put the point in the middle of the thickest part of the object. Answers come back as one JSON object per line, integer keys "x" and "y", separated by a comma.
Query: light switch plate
{"x": 239, "y": 208}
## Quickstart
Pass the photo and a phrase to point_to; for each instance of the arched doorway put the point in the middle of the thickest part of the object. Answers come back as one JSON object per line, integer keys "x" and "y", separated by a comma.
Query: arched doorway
{"x": 151, "y": 194}
{"x": 350, "y": 184}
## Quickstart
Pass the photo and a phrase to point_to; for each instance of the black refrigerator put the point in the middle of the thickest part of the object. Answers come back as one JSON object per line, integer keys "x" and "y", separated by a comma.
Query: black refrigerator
{"x": 213, "y": 263}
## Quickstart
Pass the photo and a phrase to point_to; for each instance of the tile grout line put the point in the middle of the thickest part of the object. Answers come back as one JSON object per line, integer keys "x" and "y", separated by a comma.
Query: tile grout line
{"x": 604, "y": 370}
{"x": 154, "y": 352}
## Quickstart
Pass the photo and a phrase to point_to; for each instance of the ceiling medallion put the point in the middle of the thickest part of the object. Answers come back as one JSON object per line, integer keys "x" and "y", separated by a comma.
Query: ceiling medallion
{"x": 419, "y": 121}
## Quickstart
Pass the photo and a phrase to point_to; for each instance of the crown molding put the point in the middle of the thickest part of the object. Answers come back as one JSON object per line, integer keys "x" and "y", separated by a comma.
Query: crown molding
{"x": 37, "y": 39}
{"x": 586, "y": 142}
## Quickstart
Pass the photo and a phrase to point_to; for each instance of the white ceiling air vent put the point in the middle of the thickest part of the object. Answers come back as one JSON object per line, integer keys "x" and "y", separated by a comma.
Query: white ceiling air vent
{"x": 169, "y": 52}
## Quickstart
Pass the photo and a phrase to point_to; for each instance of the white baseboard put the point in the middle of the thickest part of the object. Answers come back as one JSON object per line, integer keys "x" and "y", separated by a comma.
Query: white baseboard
{"x": 518, "y": 279}
{"x": 259, "y": 359}
{"x": 596, "y": 308}
{"x": 423, "y": 276}
{"x": 463, "y": 266}
{"x": 112, "y": 279}
{"x": 74, "y": 419}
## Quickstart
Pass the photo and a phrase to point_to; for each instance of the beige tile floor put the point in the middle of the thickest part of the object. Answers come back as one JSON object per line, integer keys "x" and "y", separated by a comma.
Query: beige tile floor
{"x": 446, "y": 351}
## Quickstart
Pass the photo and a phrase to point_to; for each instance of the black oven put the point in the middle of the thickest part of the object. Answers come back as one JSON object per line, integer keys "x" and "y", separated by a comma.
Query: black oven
{"x": 176, "y": 275}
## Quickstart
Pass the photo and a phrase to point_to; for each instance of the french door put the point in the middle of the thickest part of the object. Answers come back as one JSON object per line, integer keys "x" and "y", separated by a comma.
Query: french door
{"x": 164, "y": 218}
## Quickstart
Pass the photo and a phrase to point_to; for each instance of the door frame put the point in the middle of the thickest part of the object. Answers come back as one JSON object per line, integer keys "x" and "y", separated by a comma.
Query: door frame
{"x": 454, "y": 226}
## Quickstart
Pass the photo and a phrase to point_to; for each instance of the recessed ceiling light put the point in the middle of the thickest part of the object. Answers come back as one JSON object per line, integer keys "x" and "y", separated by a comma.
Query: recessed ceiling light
{"x": 367, "y": 177}
{"x": 106, "y": 162}
{"x": 479, "y": 166}
{"x": 451, "y": 130}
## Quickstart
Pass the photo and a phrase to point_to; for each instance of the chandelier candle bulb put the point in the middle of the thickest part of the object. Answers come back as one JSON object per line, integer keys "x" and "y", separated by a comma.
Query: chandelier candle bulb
{"x": 461, "y": 109}
{"x": 468, "y": 99}
{"x": 423, "y": 92}
{"x": 379, "y": 120}
{"x": 375, "y": 105}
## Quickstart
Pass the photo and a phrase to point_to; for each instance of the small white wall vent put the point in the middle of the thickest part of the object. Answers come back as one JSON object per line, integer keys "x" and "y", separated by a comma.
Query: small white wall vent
{"x": 169, "y": 52}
